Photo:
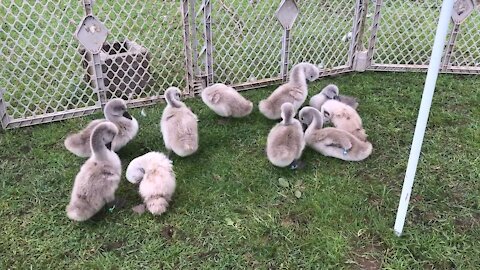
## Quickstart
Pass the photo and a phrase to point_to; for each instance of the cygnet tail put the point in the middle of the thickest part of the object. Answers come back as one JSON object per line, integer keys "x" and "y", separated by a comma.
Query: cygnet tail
{"x": 189, "y": 145}
{"x": 265, "y": 107}
{"x": 80, "y": 210}
{"x": 360, "y": 134}
{"x": 368, "y": 150}
{"x": 75, "y": 143}
{"x": 283, "y": 156}
{"x": 157, "y": 205}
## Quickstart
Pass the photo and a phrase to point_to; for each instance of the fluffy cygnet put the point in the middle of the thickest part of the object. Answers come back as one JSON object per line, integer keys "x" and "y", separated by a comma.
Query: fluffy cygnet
{"x": 332, "y": 142}
{"x": 226, "y": 101}
{"x": 295, "y": 91}
{"x": 116, "y": 112}
{"x": 343, "y": 117}
{"x": 178, "y": 125}
{"x": 98, "y": 179}
{"x": 285, "y": 142}
{"x": 154, "y": 172}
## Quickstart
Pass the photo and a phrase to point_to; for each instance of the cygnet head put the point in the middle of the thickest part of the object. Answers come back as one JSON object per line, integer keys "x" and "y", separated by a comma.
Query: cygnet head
{"x": 116, "y": 109}
{"x": 172, "y": 96}
{"x": 325, "y": 115}
{"x": 307, "y": 114}
{"x": 103, "y": 134}
{"x": 134, "y": 174}
{"x": 312, "y": 73}
{"x": 330, "y": 91}
{"x": 288, "y": 112}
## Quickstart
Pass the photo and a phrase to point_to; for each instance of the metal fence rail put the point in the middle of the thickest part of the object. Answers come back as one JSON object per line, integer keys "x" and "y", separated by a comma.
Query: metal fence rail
{"x": 46, "y": 75}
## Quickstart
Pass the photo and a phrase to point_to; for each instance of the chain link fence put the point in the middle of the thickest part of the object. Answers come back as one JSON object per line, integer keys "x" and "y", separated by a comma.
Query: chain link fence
{"x": 46, "y": 75}
{"x": 402, "y": 33}
{"x": 324, "y": 34}
{"x": 41, "y": 72}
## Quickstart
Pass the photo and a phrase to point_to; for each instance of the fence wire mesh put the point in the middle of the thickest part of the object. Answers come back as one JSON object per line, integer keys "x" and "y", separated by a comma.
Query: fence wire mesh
{"x": 40, "y": 71}
{"x": 405, "y": 33}
{"x": 402, "y": 39}
{"x": 47, "y": 76}
{"x": 144, "y": 52}
{"x": 246, "y": 40}
{"x": 466, "y": 49}
{"x": 323, "y": 34}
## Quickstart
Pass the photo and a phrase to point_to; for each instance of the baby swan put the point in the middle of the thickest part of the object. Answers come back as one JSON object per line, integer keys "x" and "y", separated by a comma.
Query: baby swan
{"x": 285, "y": 142}
{"x": 178, "y": 125}
{"x": 116, "y": 112}
{"x": 226, "y": 101}
{"x": 331, "y": 92}
{"x": 343, "y": 117}
{"x": 155, "y": 173}
{"x": 99, "y": 176}
{"x": 328, "y": 92}
{"x": 294, "y": 91}
{"x": 332, "y": 142}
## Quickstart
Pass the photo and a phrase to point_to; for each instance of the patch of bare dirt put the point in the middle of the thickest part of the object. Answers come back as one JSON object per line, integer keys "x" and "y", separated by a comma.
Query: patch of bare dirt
{"x": 168, "y": 231}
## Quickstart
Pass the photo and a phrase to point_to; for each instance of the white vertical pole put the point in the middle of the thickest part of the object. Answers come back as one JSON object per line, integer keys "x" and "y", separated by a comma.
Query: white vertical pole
{"x": 432, "y": 74}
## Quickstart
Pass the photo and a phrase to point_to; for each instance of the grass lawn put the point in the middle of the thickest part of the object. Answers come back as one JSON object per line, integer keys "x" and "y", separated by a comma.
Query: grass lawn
{"x": 229, "y": 211}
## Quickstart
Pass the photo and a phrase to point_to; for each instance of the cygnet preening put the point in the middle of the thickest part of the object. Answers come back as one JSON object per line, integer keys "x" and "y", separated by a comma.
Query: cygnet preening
{"x": 285, "y": 142}
{"x": 226, "y": 101}
{"x": 328, "y": 92}
{"x": 331, "y": 92}
{"x": 116, "y": 112}
{"x": 332, "y": 142}
{"x": 98, "y": 179}
{"x": 155, "y": 173}
{"x": 343, "y": 117}
{"x": 294, "y": 91}
{"x": 178, "y": 125}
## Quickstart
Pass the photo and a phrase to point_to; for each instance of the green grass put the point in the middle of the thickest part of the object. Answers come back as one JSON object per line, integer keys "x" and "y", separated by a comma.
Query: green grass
{"x": 229, "y": 210}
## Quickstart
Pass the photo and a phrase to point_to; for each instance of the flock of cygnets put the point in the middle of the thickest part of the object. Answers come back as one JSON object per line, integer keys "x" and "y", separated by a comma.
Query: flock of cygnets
{"x": 100, "y": 175}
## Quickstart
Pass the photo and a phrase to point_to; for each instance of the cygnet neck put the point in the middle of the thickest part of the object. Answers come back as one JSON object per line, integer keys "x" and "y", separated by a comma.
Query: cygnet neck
{"x": 98, "y": 146}
{"x": 317, "y": 121}
{"x": 297, "y": 76}
{"x": 172, "y": 101}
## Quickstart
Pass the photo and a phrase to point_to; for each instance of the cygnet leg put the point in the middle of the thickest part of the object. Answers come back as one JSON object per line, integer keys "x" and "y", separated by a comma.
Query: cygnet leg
{"x": 139, "y": 209}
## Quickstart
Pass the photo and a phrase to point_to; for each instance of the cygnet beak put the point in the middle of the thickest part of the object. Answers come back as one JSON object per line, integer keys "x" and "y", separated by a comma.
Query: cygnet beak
{"x": 336, "y": 97}
{"x": 304, "y": 126}
{"x": 109, "y": 146}
{"x": 127, "y": 115}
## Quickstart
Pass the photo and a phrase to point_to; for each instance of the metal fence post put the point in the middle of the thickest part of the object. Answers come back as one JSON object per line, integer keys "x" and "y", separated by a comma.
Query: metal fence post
{"x": 4, "y": 118}
{"x": 357, "y": 53}
{"x": 286, "y": 14}
{"x": 207, "y": 16}
{"x": 97, "y": 64}
{"x": 194, "y": 38}
{"x": 187, "y": 47}
{"x": 450, "y": 46}
{"x": 285, "y": 53}
{"x": 373, "y": 35}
